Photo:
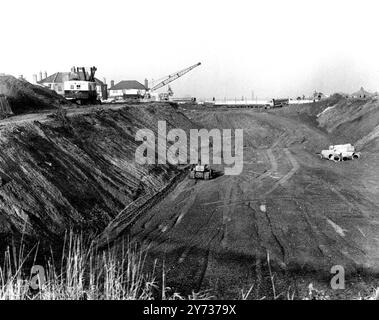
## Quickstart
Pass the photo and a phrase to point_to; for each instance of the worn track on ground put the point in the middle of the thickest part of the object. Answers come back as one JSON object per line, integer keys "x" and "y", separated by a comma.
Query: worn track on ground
{"x": 307, "y": 213}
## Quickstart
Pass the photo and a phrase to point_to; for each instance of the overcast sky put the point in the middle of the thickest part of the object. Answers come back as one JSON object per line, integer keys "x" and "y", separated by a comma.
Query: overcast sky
{"x": 272, "y": 47}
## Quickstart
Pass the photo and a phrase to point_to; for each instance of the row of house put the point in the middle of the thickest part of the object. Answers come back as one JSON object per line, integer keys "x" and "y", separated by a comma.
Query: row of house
{"x": 126, "y": 89}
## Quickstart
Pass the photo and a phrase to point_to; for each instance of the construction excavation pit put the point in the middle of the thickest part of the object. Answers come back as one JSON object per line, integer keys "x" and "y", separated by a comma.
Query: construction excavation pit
{"x": 278, "y": 229}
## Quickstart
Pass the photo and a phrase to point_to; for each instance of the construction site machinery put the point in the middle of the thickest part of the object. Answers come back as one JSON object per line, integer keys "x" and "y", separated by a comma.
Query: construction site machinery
{"x": 201, "y": 172}
{"x": 81, "y": 86}
{"x": 278, "y": 103}
{"x": 165, "y": 81}
{"x": 341, "y": 152}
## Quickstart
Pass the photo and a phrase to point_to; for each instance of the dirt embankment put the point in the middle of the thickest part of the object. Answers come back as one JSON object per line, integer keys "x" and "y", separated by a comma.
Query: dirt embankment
{"x": 24, "y": 97}
{"x": 355, "y": 120}
{"x": 345, "y": 120}
{"x": 78, "y": 171}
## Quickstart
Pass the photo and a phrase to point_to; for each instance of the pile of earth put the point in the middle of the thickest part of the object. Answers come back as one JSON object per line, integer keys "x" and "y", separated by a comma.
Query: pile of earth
{"x": 24, "y": 97}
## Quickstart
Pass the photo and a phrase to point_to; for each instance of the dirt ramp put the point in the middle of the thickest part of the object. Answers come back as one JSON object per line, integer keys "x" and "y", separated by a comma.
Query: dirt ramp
{"x": 24, "y": 97}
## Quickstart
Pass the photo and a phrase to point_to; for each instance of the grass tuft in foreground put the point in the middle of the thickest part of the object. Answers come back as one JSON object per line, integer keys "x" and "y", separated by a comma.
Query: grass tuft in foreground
{"x": 83, "y": 273}
{"x": 117, "y": 273}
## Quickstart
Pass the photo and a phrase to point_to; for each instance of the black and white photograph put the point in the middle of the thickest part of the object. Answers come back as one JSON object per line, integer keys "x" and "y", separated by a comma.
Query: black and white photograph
{"x": 184, "y": 151}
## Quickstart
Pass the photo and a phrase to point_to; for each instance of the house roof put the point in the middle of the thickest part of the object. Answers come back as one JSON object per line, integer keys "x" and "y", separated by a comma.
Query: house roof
{"x": 55, "y": 78}
{"x": 60, "y": 77}
{"x": 128, "y": 84}
{"x": 362, "y": 92}
{"x": 99, "y": 82}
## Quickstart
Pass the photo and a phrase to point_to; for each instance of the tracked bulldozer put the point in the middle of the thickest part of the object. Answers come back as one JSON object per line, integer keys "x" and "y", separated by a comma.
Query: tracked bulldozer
{"x": 201, "y": 172}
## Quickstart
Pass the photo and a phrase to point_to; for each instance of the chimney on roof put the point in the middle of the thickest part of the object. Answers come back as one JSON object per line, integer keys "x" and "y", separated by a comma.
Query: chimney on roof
{"x": 146, "y": 84}
{"x": 40, "y": 75}
{"x": 45, "y": 75}
{"x": 105, "y": 80}
{"x": 34, "y": 78}
{"x": 112, "y": 83}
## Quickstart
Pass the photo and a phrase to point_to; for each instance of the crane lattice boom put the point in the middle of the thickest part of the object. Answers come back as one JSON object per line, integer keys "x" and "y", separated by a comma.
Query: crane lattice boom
{"x": 173, "y": 77}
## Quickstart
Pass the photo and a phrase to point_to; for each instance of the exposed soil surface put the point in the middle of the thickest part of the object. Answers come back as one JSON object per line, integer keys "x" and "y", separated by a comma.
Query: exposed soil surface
{"x": 24, "y": 97}
{"x": 307, "y": 214}
{"x": 77, "y": 171}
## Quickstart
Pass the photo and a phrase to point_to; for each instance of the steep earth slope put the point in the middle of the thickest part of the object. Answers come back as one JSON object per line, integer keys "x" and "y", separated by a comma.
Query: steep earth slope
{"x": 77, "y": 171}
{"x": 355, "y": 120}
{"x": 344, "y": 119}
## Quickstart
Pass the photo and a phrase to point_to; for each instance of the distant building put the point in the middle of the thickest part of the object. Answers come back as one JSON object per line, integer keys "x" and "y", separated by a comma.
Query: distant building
{"x": 127, "y": 89}
{"x": 362, "y": 93}
{"x": 317, "y": 96}
{"x": 56, "y": 80}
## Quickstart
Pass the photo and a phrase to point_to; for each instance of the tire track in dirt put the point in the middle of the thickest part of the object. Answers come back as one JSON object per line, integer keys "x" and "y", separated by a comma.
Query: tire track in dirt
{"x": 156, "y": 235}
{"x": 226, "y": 212}
{"x": 188, "y": 249}
{"x": 127, "y": 217}
{"x": 322, "y": 236}
{"x": 342, "y": 197}
{"x": 319, "y": 236}
{"x": 273, "y": 162}
{"x": 274, "y": 234}
{"x": 351, "y": 208}
{"x": 206, "y": 259}
{"x": 269, "y": 155}
{"x": 273, "y": 170}
{"x": 285, "y": 178}
{"x": 281, "y": 243}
